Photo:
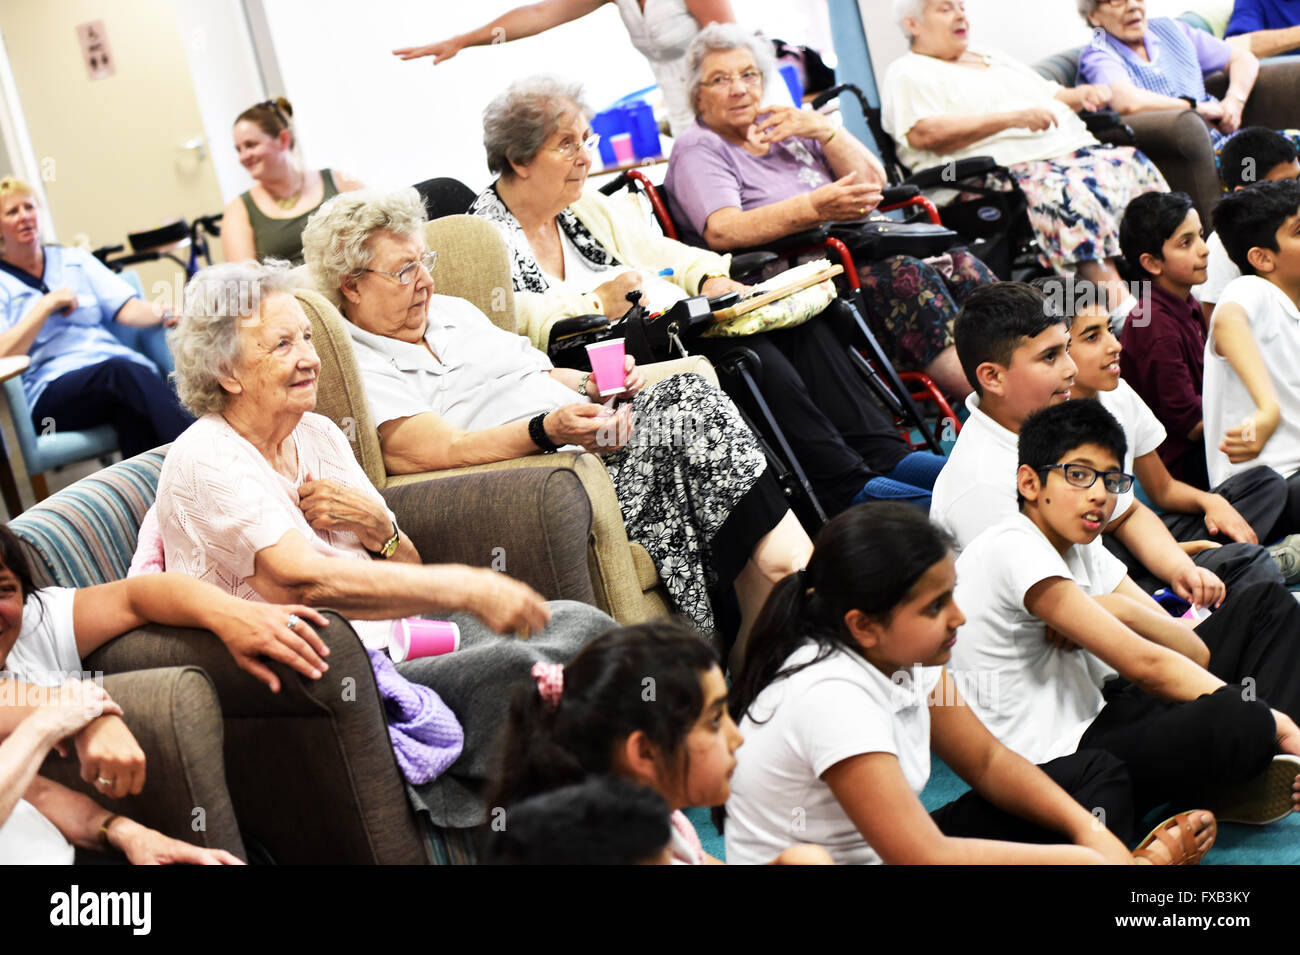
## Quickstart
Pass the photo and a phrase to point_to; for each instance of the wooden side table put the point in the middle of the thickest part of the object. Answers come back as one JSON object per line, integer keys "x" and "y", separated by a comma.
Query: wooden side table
{"x": 9, "y": 367}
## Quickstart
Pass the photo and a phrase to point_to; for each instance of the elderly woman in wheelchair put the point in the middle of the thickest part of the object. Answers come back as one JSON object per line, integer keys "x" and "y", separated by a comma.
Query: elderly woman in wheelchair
{"x": 448, "y": 388}
{"x": 746, "y": 175}
{"x": 946, "y": 100}
{"x": 575, "y": 251}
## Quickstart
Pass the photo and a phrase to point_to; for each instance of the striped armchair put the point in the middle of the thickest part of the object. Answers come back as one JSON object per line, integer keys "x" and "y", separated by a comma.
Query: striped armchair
{"x": 311, "y": 774}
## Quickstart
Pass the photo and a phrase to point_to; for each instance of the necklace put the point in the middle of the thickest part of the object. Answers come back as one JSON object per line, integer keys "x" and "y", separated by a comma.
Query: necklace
{"x": 290, "y": 201}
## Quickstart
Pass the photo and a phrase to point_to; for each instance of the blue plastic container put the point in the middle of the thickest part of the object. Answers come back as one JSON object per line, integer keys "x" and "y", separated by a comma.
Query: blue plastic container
{"x": 607, "y": 125}
{"x": 790, "y": 73}
{"x": 645, "y": 132}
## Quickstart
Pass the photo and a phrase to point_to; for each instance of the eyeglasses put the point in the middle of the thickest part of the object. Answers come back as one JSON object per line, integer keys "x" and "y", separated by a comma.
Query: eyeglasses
{"x": 406, "y": 275}
{"x": 723, "y": 81}
{"x": 569, "y": 149}
{"x": 1080, "y": 475}
{"x": 1115, "y": 4}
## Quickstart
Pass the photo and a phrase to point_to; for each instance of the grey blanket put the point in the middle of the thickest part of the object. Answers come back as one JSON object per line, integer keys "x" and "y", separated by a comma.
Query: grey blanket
{"x": 478, "y": 682}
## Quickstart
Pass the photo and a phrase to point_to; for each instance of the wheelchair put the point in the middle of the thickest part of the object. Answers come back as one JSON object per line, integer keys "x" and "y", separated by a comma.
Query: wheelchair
{"x": 899, "y": 393}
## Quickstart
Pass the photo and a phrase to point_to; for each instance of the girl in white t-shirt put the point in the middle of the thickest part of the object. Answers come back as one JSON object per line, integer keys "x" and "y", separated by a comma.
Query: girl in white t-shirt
{"x": 842, "y": 694}
{"x": 647, "y": 703}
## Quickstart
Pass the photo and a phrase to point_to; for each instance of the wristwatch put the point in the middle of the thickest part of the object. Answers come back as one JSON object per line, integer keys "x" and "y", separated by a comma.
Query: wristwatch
{"x": 582, "y": 386}
{"x": 389, "y": 547}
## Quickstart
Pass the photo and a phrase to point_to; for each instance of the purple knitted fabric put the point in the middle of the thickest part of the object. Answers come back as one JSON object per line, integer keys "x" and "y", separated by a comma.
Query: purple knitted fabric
{"x": 427, "y": 737}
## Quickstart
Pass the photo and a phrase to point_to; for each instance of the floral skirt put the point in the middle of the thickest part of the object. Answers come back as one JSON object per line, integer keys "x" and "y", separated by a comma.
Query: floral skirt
{"x": 1076, "y": 201}
{"x": 689, "y": 461}
{"x": 916, "y": 301}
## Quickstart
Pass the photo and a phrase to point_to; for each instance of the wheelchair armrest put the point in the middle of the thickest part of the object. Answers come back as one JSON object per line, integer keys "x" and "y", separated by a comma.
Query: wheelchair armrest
{"x": 795, "y": 242}
{"x": 745, "y": 263}
{"x": 951, "y": 172}
{"x": 897, "y": 194}
{"x": 104, "y": 251}
{"x": 576, "y": 325}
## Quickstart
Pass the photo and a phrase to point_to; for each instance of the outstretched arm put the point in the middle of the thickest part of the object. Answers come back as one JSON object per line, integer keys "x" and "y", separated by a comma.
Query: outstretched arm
{"x": 525, "y": 21}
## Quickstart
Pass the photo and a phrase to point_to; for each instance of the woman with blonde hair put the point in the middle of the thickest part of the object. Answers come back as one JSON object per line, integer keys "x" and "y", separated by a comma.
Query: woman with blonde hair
{"x": 54, "y": 306}
{"x": 266, "y": 222}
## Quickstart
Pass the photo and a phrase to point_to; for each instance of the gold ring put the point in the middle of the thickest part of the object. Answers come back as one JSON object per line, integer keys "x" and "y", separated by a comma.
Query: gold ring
{"x": 525, "y": 633}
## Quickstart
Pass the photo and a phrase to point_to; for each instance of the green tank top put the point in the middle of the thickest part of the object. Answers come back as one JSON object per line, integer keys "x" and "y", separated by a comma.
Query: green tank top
{"x": 282, "y": 238}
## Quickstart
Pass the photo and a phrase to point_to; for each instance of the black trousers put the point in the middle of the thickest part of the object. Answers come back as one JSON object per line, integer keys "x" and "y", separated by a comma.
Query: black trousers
{"x": 1097, "y": 780}
{"x": 132, "y": 398}
{"x": 1260, "y": 497}
{"x": 1177, "y": 752}
{"x": 835, "y": 426}
{"x": 1289, "y": 523}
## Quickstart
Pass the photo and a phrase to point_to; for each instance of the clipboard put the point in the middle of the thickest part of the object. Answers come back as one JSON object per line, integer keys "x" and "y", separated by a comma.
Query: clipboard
{"x": 758, "y": 301}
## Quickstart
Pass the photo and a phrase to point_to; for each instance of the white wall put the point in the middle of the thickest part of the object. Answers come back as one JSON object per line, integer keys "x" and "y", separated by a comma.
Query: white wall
{"x": 359, "y": 108}
{"x": 1029, "y": 30}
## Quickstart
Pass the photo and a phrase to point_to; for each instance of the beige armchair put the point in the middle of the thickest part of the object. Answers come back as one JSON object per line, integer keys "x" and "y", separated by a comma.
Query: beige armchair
{"x": 473, "y": 265}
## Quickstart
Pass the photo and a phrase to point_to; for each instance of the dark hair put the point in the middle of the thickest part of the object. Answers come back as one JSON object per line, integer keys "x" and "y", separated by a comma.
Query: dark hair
{"x": 645, "y": 677}
{"x": 603, "y": 820}
{"x": 1149, "y": 222}
{"x": 271, "y": 117}
{"x": 868, "y": 558}
{"x": 1051, "y": 433}
{"x": 1065, "y": 295}
{"x": 1251, "y": 217}
{"x": 15, "y": 559}
{"x": 1252, "y": 154}
{"x": 993, "y": 322}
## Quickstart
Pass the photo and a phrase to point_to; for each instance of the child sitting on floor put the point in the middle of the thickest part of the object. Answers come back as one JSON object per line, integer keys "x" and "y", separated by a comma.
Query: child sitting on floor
{"x": 843, "y": 694}
{"x": 647, "y": 703}
{"x": 603, "y": 820}
{"x": 1252, "y": 361}
{"x": 1050, "y": 614}
{"x": 1247, "y": 507}
{"x": 1256, "y": 154}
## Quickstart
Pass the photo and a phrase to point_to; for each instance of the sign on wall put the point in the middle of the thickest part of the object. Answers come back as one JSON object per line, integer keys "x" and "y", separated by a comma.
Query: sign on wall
{"x": 94, "y": 50}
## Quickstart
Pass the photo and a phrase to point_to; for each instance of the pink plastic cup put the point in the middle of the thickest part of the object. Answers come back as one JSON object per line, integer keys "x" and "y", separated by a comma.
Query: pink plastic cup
{"x": 622, "y": 146}
{"x": 415, "y": 637}
{"x": 607, "y": 366}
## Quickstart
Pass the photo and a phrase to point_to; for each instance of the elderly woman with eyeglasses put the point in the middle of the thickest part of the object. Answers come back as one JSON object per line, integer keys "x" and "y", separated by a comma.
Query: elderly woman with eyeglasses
{"x": 745, "y": 174}
{"x": 947, "y": 99}
{"x": 573, "y": 251}
{"x": 1162, "y": 64}
{"x": 263, "y": 498}
{"x": 448, "y": 388}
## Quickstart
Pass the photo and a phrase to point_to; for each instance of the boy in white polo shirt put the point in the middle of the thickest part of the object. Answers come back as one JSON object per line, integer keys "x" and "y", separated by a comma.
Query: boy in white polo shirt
{"x": 1035, "y": 594}
{"x": 1245, "y": 508}
{"x": 1256, "y": 154}
{"x": 1013, "y": 344}
{"x": 1251, "y": 394}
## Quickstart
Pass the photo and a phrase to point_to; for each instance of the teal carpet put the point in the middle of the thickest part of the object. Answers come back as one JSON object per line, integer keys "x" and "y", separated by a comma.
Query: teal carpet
{"x": 1278, "y": 844}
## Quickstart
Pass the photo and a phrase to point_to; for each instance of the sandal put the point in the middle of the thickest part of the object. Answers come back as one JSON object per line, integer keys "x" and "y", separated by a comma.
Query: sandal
{"x": 1178, "y": 837}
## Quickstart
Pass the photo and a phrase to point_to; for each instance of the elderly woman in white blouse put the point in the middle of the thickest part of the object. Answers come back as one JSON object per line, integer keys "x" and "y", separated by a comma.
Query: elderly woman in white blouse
{"x": 948, "y": 100}
{"x": 448, "y": 388}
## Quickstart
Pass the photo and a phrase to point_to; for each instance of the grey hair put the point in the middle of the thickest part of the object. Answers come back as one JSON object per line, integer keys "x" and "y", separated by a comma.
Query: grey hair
{"x": 336, "y": 241}
{"x": 206, "y": 344}
{"x": 717, "y": 38}
{"x": 519, "y": 121}
{"x": 1086, "y": 8}
{"x": 908, "y": 8}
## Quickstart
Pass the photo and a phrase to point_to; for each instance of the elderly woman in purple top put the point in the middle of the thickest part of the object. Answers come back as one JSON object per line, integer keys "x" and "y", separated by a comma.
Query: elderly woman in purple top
{"x": 743, "y": 175}
{"x": 1162, "y": 64}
